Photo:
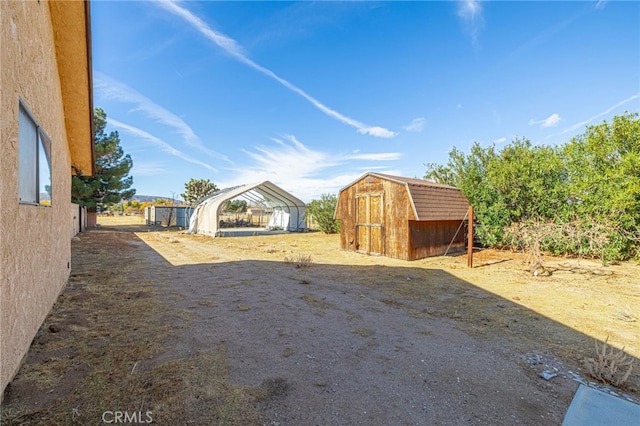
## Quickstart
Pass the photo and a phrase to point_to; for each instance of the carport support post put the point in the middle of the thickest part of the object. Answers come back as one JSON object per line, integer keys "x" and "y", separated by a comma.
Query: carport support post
{"x": 470, "y": 239}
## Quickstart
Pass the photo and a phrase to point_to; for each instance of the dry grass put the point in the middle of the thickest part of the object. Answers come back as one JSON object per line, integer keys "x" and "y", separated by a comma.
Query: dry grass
{"x": 316, "y": 302}
{"x": 112, "y": 326}
{"x": 625, "y": 314}
{"x": 364, "y": 332}
{"x": 98, "y": 352}
{"x": 287, "y": 352}
{"x": 299, "y": 260}
{"x": 498, "y": 297}
{"x": 610, "y": 366}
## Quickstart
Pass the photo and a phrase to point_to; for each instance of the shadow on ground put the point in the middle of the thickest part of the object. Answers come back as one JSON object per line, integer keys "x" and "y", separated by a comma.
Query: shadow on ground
{"x": 263, "y": 342}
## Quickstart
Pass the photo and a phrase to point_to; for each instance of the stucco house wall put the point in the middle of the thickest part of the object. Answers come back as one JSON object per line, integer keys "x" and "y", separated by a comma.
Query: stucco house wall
{"x": 50, "y": 75}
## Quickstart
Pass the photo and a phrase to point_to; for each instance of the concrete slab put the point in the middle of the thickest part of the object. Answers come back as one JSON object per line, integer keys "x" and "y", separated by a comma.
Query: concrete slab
{"x": 248, "y": 231}
{"x": 591, "y": 407}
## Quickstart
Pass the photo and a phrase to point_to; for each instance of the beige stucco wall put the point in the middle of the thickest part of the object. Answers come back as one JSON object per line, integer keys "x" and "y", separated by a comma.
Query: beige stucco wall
{"x": 35, "y": 250}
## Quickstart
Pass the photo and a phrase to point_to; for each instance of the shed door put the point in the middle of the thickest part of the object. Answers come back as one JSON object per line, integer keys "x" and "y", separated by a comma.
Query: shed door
{"x": 369, "y": 223}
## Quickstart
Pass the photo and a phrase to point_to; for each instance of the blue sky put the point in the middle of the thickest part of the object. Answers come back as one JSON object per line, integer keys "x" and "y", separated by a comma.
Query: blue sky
{"x": 311, "y": 95}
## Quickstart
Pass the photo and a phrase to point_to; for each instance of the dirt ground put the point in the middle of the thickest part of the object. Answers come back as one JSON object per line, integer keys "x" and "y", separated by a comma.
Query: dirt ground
{"x": 290, "y": 330}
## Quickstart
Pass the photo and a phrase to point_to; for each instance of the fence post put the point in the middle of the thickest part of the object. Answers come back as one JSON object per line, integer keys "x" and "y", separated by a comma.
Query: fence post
{"x": 470, "y": 239}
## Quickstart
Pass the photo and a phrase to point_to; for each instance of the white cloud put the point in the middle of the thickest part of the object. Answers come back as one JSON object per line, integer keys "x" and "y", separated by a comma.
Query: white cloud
{"x": 470, "y": 11}
{"x": 158, "y": 142}
{"x": 550, "y": 121}
{"x": 377, "y": 131}
{"x": 500, "y": 140}
{"x": 235, "y": 50}
{"x": 305, "y": 172}
{"x": 416, "y": 125}
{"x": 289, "y": 159}
{"x": 383, "y": 156}
{"x": 600, "y": 4}
{"x": 112, "y": 89}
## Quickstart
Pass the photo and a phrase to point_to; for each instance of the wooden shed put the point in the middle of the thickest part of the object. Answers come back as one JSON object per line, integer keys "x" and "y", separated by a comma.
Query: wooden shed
{"x": 401, "y": 217}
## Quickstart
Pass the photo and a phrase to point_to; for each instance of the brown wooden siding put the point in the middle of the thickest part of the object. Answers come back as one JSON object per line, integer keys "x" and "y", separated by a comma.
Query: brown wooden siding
{"x": 390, "y": 239}
{"x": 394, "y": 230}
{"x": 345, "y": 213}
{"x": 432, "y": 238}
{"x": 399, "y": 210}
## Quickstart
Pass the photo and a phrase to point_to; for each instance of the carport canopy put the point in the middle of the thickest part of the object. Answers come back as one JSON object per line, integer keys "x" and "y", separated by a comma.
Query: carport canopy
{"x": 288, "y": 210}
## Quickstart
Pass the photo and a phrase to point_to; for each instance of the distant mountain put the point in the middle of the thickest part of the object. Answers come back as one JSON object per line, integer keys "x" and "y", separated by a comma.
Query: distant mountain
{"x": 141, "y": 198}
{"x": 152, "y": 198}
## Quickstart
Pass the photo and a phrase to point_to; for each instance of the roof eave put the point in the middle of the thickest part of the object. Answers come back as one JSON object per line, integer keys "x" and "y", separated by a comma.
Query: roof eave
{"x": 71, "y": 23}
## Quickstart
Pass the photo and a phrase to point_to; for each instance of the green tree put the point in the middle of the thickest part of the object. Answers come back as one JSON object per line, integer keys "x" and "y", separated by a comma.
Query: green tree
{"x": 163, "y": 202}
{"x": 132, "y": 207}
{"x": 322, "y": 212}
{"x": 111, "y": 182}
{"x": 197, "y": 189}
{"x": 236, "y": 206}
{"x": 470, "y": 173}
{"x": 603, "y": 179}
{"x": 519, "y": 182}
{"x": 585, "y": 187}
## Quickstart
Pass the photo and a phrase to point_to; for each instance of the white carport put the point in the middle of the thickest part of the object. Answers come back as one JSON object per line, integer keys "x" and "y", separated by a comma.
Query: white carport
{"x": 288, "y": 211}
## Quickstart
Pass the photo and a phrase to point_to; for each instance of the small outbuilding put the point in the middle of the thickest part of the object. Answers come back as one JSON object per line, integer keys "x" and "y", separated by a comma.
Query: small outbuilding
{"x": 401, "y": 217}
{"x": 287, "y": 211}
{"x": 168, "y": 216}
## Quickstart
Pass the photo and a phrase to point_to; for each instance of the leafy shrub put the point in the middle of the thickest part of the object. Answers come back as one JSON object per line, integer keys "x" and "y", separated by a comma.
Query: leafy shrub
{"x": 322, "y": 213}
{"x": 588, "y": 188}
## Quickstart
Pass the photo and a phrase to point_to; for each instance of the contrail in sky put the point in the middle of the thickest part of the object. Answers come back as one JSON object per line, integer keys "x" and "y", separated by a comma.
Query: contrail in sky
{"x": 576, "y": 126}
{"x": 159, "y": 143}
{"x": 111, "y": 88}
{"x": 607, "y": 111}
{"x": 233, "y": 49}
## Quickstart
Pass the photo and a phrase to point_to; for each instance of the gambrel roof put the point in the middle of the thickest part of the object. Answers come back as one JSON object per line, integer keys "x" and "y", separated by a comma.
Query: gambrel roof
{"x": 429, "y": 200}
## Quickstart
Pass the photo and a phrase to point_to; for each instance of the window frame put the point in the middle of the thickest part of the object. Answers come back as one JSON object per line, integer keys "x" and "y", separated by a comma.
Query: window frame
{"x": 43, "y": 146}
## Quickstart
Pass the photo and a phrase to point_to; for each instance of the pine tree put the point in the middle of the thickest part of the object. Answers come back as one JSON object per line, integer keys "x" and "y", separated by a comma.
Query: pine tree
{"x": 110, "y": 183}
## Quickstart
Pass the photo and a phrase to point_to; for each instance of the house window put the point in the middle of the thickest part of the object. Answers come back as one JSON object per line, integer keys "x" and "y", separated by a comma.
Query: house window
{"x": 34, "y": 160}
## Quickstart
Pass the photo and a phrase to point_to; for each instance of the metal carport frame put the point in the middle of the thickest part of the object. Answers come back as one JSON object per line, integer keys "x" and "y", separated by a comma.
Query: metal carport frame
{"x": 206, "y": 216}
